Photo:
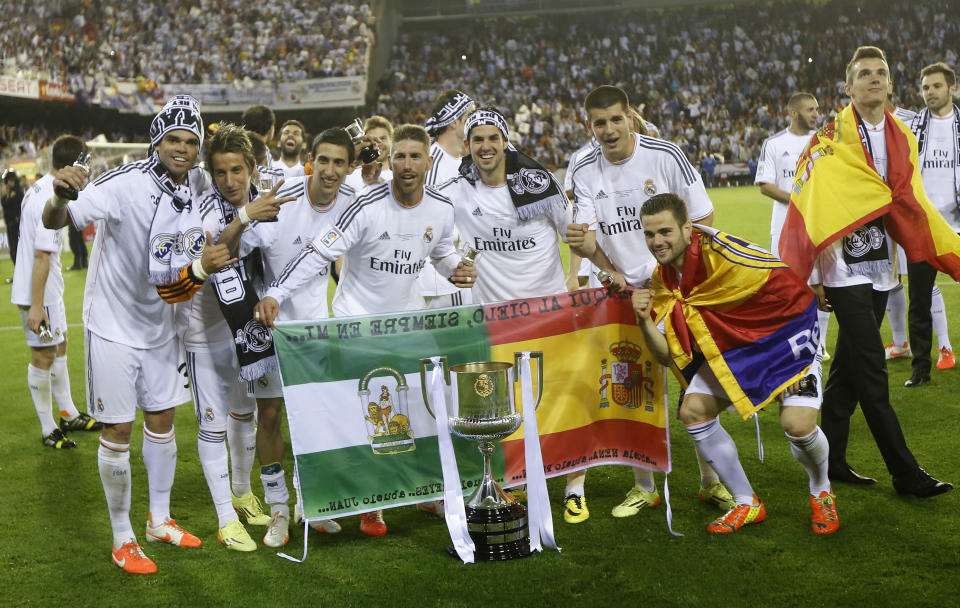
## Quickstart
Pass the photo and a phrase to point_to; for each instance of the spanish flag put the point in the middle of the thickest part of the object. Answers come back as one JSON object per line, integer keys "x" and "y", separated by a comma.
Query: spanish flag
{"x": 836, "y": 189}
{"x": 363, "y": 437}
{"x": 741, "y": 309}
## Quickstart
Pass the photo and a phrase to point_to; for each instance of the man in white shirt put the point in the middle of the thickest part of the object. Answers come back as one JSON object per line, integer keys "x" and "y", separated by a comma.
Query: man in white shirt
{"x": 936, "y": 128}
{"x": 318, "y": 199}
{"x": 377, "y": 131}
{"x": 778, "y": 163}
{"x": 384, "y": 236}
{"x": 610, "y": 183}
{"x": 37, "y": 291}
{"x": 445, "y": 126}
{"x": 292, "y": 142}
{"x": 132, "y": 347}
{"x": 851, "y": 277}
{"x": 518, "y": 255}
{"x": 224, "y": 411}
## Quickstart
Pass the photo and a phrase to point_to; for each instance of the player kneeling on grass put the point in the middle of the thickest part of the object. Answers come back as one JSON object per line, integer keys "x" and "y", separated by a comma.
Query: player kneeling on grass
{"x": 741, "y": 326}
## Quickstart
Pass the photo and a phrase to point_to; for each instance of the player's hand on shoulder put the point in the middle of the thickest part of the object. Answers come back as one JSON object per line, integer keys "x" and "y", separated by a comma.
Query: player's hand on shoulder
{"x": 266, "y": 311}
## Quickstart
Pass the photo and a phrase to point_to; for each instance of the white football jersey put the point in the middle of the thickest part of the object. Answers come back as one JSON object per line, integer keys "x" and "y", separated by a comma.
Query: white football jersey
{"x": 119, "y": 303}
{"x": 938, "y": 166}
{"x": 777, "y": 166}
{"x": 355, "y": 179}
{"x": 298, "y": 223}
{"x": 516, "y": 258}
{"x": 445, "y": 167}
{"x": 33, "y": 236}
{"x": 574, "y": 158}
{"x": 384, "y": 245}
{"x": 289, "y": 173}
{"x": 608, "y": 196}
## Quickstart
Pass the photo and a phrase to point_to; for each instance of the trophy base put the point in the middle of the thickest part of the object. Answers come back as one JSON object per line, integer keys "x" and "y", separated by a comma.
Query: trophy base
{"x": 498, "y": 534}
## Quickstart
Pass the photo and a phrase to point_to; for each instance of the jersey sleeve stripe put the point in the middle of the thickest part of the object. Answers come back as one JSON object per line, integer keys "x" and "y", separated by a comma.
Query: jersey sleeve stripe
{"x": 362, "y": 201}
{"x": 292, "y": 265}
{"x": 121, "y": 170}
{"x": 589, "y": 158}
{"x": 432, "y": 191}
{"x": 689, "y": 175}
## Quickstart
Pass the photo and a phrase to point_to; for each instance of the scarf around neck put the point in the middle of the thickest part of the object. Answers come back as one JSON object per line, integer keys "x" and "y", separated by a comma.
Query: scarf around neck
{"x": 533, "y": 189}
{"x": 176, "y": 234}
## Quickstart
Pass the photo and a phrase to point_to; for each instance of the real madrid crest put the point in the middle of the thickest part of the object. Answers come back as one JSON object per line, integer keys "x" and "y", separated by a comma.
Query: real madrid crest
{"x": 649, "y": 188}
{"x": 428, "y": 234}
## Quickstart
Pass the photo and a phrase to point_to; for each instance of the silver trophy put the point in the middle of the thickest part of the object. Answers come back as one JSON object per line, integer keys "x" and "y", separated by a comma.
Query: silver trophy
{"x": 483, "y": 409}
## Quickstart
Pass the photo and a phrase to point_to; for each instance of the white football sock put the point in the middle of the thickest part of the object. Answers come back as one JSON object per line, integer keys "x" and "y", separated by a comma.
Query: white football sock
{"x": 160, "y": 460}
{"x": 938, "y": 311}
{"x": 718, "y": 448}
{"x": 242, "y": 439}
{"x": 812, "y": 452}
{"x": 707, "y": 474}
{"x": 644, "y": 478}
{"x": 60, "y": 382}
{"x": 897, "y": 314}
{"x": 575, "y": 483}
{"x": 39, "y": 382}
{"x": 823, "y": 318}
{"x": 113, "y": 460}
{"x": 275, "y": 492}
{"x": 212, "y": 449}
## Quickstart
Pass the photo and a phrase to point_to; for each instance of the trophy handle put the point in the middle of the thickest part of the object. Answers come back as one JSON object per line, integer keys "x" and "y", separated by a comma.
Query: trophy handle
{"x": 534, "y": 355}
{"x": 423, "y": 379}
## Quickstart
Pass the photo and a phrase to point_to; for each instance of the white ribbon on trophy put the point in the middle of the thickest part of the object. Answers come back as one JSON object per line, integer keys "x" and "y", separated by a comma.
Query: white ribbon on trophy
{"x": 539, "y": 514}
{"x": 454, "y": 510}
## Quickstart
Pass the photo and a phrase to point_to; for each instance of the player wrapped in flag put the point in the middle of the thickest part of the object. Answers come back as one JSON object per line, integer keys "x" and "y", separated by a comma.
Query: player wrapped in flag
{"x": 837, "y": 190}
{"x": 751, "y": 318}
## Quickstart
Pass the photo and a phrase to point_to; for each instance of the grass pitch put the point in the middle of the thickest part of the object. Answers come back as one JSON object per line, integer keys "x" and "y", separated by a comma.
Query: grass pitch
{"x": 55, "y": 533}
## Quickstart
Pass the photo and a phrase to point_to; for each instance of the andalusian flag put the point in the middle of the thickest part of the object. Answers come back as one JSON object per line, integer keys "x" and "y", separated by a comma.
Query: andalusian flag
{"x": 363, "y": 438}
{"x": 739, "y": 308}
{"x": 836, "y": 189}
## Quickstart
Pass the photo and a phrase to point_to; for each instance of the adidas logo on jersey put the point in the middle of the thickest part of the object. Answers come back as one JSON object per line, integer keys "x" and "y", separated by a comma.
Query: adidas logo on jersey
{"x": 477, "y": 212}
{"x": 600, "y": 195}
{"x": 297, "y": 240}
{"x": 785, "y": 153}
{"x": 383, "y": 237}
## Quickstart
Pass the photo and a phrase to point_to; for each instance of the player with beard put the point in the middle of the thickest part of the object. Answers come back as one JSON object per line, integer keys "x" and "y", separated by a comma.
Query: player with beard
{"x": 381, "y": 261}
{"x": 292, "y": 141}
{"x": 150, "y": 249}
{"x": 445, "y": 126}
{"x": 224, "y": 411}
{"x": 936, "y": 128}
{"x": 610, "y": 184}
{"x": 778, "y": 163}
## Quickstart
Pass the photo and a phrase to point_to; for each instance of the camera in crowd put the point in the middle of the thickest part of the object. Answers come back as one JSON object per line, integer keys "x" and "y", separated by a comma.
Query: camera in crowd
{"x": 367, "y": 154}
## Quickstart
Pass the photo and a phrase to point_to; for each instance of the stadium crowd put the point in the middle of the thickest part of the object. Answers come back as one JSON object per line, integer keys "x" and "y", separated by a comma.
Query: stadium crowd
{"x": 157, "y": 40}
{"x": 713, "y": 79}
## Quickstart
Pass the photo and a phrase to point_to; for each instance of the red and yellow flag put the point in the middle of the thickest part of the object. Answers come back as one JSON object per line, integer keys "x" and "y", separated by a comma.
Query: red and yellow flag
{"x": 836, "y": 189}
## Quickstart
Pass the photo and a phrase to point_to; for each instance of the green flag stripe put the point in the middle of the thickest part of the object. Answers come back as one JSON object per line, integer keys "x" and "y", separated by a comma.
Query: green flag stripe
{"x": 342, "y": 349}
{"x": 367, "y": 481}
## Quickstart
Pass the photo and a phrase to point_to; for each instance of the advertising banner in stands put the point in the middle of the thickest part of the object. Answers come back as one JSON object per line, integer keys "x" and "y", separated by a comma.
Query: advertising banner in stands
{"x": 55, "y": 91}
{"x": 19, "y": 87}
{"x": 322, "y": 93}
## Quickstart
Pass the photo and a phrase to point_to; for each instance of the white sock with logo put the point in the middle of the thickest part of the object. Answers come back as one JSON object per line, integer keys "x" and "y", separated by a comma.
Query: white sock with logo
{"x": 897, "y": 314}
{"x": 39, "y": 382}
{"x": 242, "y": 439}
{"x": 212, "y": 448}
{"x": 113, "y": 461}
{"x": 275, "y": 492}
{"x": 60, "y": 382}
{"x": 160, "y": 460}
{"x": 938, "y": 310}
{"x": 812, "y": 452}
{"x": 718, "y": 448}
